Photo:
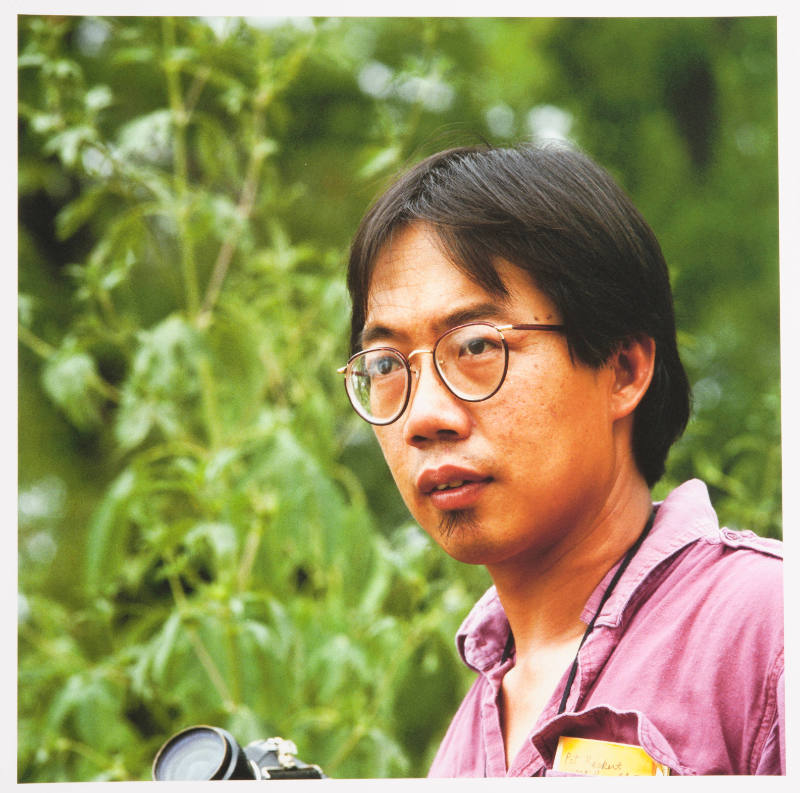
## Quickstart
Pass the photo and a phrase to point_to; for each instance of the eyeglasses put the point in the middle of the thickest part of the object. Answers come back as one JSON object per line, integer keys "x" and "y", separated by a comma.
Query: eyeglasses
{"x": 471, "y": 360}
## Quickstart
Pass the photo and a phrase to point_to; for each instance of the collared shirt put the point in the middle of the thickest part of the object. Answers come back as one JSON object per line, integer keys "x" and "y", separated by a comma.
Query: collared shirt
{"x": 685, "y": 660}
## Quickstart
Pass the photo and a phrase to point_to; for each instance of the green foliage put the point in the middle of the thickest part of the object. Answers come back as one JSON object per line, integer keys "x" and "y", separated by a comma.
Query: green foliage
{"x": 207, "y": 532}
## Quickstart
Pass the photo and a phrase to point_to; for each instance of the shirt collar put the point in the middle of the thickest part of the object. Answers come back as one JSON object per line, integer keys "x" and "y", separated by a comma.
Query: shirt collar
{"x": 685, "y": 516}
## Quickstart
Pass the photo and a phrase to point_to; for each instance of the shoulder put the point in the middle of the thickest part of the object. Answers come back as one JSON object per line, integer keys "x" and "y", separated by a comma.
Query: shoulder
{"x": 720, "y": 600}
{"x": 718, "y": 596}
{"x": 726, "y": 577}
{"x": 690, "y": 556}
{"x": 740, "y": 567}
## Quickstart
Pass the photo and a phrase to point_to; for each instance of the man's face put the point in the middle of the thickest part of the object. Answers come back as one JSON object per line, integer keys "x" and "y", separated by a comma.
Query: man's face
{"x": 527, "y": 467}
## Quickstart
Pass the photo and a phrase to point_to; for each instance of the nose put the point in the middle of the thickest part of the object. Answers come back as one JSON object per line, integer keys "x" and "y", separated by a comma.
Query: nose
{"x": 433, "y": 411}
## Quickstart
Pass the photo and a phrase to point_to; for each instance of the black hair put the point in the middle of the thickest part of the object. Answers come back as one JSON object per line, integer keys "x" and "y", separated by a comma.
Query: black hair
{"x": 556, "y": 214}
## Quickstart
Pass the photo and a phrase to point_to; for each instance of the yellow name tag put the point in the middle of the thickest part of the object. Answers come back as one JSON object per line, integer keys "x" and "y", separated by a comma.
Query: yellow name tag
{"x": 604, "y": 758}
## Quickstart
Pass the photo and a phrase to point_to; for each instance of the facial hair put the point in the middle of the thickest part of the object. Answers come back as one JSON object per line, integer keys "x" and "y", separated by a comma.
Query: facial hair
{"x": 462, "y": 520}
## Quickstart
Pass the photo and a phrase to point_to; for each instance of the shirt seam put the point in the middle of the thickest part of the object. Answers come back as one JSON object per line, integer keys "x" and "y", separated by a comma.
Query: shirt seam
{"x": 650, "y": 580}
{"x": 646, "y": 578}
{"x": 770, "y": 712}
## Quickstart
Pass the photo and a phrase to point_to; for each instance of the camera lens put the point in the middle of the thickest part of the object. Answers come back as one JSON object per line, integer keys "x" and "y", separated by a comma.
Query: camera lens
{"x": 201, "y": 753}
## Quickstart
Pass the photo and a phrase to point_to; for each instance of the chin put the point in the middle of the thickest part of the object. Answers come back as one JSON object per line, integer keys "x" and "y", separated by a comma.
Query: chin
{"x": 461, "y": 536}
{"x": 458, "y": 523}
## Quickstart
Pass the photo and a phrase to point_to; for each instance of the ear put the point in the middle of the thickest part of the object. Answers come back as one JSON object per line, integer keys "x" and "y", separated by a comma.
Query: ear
{"x": 633, "y": 365}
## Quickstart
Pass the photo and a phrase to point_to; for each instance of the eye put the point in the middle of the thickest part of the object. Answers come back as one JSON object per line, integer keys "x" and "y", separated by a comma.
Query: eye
{"x": 382, "y": 366}
{"x": 478, "y": 345}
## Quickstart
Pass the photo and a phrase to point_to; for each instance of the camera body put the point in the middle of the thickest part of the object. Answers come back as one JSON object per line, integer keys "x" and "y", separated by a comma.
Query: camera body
{"x": 276, "y": 758}
{"x": 206, "y": 753}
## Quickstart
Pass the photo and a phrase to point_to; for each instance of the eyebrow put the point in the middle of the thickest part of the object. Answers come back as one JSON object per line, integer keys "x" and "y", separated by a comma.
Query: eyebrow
{"x": 480, "y": 311}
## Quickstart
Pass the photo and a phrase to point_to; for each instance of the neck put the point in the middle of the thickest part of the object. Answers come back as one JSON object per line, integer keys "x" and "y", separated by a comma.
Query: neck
{"x": 544, "y": 594}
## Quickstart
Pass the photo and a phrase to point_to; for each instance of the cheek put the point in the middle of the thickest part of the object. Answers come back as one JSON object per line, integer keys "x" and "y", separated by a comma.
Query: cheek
{"x": 552, "y": 417}
{"x": 531, "y": 405}
{"x": 384, "y": 438}
{"x": 392, "y": 446}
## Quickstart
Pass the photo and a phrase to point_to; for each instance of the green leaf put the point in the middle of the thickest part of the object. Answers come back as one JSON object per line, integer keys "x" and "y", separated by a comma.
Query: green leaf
{"x": 379, "y": 162}
{"x": 80, "y": 211}
{"x": 69, "y": 143}
{"x": 164, "y": 645}
{"x": 69, "y": 378}
{"x": 108, "y": 531}
{"x": 29, "y": 59}
{"x": 147, "y": 138}
{"x": 98, "y": 98}
{"x": 162, "y": 389}
{"x": 25, "y": 308}
{"x": 44, "y": 123}
{"x": 135, "y": 419}
{"x": 222, "y": 538}
{"x": 99, "y": 716}
{"x": 68, "y": 698}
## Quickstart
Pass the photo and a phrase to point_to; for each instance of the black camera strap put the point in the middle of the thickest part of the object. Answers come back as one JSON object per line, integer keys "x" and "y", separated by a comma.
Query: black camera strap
{"x": 590, "y": 627}
{"x": 606, "y": 595}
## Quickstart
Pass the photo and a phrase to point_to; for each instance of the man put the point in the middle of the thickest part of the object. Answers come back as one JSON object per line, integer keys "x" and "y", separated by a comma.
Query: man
{"x": 514, "y": 348}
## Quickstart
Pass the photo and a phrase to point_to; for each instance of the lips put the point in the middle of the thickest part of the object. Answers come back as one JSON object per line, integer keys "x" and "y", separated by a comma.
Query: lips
{"x": 452, "y": 487}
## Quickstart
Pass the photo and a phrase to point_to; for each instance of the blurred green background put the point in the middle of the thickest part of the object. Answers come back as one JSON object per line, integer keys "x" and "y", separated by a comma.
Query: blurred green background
{"x": 207, "y": 533}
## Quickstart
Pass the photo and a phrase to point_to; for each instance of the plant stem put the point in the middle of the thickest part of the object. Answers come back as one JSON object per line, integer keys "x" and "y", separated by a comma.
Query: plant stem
{"x": 179, "y": 158}
{"x": 180, "y": 116}
{"x": 248, "y": 558}
{"x": 244, "y": 208}
{"x": 211, "y": 669}
{"x": 92, "y": 755}
{"x": 210, "y": 403}
{"x": 34, "y": 343}
{"x": 179, "y": 596}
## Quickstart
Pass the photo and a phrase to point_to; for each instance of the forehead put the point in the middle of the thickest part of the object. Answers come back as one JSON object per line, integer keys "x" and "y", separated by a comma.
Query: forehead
{"x": 414, "y": 283}
{"x": 412, "y": 264}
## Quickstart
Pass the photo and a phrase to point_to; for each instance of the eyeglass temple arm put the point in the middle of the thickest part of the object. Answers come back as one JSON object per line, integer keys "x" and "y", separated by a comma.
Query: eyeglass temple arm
{"x": 530, "y": 327}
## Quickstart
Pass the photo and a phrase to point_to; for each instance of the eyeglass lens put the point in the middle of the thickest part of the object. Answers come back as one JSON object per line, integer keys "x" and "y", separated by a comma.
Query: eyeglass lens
{"x": 471, "y": 361}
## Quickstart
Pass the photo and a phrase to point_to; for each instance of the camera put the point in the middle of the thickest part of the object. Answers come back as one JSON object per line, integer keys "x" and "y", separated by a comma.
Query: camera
{"x": 205, "y": 753}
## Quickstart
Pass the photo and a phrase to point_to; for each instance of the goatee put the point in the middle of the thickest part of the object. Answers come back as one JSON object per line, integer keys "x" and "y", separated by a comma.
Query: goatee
{"x": 458, "y": 519}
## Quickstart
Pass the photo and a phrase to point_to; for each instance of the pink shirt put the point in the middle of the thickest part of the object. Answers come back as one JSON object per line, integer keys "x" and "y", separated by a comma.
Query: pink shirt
{"x": 685, "y": 660}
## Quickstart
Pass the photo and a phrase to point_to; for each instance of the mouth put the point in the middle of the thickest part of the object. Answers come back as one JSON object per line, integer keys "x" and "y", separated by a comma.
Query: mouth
{"x": 451, "y": 487}
{"x": 448, "y": 477}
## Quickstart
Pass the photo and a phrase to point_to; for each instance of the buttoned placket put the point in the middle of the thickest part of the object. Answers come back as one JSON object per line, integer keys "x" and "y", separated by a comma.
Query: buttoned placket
{"x": 528, "y": 761}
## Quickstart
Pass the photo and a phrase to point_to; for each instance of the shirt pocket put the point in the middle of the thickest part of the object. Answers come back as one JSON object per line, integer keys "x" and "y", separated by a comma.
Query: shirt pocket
{"x": 604, "y": 723}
